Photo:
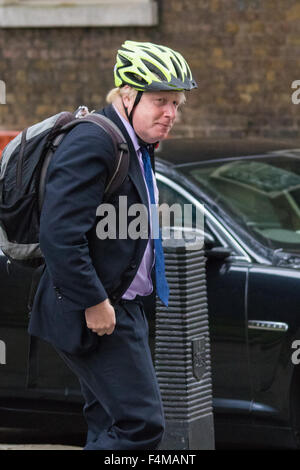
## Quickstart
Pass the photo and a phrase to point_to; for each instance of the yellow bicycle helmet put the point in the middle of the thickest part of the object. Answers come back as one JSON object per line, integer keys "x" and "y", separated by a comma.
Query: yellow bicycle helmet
{"x": 149, "y": 67}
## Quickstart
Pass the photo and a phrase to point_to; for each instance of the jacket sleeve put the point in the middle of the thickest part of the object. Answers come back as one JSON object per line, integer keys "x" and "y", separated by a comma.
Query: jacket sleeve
{"x": 75, "y": 184}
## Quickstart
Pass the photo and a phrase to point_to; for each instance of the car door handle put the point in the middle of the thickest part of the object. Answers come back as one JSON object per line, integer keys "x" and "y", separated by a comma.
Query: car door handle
{"x": 267, "y": 325}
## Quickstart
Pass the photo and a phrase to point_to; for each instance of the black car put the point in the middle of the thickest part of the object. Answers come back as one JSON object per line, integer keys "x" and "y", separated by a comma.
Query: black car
{"x": 250, "y": 194}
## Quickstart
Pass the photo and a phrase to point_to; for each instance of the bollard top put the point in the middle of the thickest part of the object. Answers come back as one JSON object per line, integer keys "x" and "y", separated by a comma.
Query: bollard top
{"x": 180, "y": 241}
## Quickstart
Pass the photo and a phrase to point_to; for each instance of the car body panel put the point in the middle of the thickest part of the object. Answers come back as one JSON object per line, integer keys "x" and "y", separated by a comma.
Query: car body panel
{"x": 273, "y": 314}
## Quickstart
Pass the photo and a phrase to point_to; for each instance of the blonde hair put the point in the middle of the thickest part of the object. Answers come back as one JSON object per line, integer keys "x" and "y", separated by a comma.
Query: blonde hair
{"x": 113, "y": 94}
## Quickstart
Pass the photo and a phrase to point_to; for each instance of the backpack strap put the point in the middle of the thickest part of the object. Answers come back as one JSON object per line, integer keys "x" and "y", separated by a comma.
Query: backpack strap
{"x": 121, "y": 152}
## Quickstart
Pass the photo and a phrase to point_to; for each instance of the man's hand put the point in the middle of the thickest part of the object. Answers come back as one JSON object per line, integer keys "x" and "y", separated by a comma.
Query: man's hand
{"x": 101, "y": 318}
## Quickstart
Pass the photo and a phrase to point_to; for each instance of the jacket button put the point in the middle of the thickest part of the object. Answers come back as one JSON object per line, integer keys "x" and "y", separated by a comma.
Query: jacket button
{"x": 133, "y": 265}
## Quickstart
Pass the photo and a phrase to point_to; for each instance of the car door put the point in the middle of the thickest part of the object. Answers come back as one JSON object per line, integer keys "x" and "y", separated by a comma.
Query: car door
{"x": 273, "y": 322}
{"x": 226, "y": 290}
{"x": 45, "y": 373}
{"x": 14, "y": 288}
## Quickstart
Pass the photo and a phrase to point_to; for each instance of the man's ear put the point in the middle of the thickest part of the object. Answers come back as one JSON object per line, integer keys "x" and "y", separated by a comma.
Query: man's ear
{"x": 128, "y": 102}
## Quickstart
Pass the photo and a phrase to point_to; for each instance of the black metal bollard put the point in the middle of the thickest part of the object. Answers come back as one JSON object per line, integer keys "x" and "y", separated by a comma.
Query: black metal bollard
{"x": 182, "y": 350}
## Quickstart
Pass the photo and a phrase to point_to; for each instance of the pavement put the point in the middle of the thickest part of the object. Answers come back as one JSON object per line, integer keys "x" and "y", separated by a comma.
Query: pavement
{"x": 37, "y": 447}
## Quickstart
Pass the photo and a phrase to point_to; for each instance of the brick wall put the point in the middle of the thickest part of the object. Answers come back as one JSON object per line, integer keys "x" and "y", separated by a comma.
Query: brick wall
{"x": 244, "y": 55}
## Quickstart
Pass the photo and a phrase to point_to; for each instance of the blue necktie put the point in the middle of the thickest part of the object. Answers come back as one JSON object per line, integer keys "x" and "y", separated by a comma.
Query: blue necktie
{"x": 162, "y": 288}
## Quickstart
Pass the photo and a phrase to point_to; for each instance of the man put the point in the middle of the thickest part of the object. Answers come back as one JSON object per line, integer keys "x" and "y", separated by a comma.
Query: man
{"x": 88, "y": 304}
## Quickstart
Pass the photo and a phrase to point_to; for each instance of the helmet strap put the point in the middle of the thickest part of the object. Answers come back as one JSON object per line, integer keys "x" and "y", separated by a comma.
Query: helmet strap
{"x": 130, "y": 119}
{"x": 136, "y": 102}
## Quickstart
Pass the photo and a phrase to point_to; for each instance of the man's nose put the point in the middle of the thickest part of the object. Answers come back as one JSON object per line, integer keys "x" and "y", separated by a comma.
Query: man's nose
{"x": 170, "y": 111}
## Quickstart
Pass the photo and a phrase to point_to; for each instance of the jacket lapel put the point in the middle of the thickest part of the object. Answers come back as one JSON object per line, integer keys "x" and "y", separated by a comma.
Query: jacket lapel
{"x": 134, "y": 170}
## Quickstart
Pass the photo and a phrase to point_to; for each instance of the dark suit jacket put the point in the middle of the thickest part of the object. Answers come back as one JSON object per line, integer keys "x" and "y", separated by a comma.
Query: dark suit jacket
{"x": 82, "y": 270}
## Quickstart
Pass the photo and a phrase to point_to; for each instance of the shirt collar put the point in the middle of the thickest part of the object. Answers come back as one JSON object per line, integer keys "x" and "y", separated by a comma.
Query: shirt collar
{"x": 129, "y": 129}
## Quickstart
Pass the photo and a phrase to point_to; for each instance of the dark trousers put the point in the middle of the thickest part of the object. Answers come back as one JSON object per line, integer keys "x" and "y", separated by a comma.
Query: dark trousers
{"x": 123, "y": 407}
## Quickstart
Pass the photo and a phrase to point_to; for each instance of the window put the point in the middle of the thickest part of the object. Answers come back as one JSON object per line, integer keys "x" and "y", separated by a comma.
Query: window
{"x": 179, "y": 214}
{"x": 80, "y": 13}
{"x": 214, "y": 232}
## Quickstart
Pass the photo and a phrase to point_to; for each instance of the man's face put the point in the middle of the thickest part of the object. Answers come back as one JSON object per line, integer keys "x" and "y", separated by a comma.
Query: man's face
{"x": 154, "y": 116}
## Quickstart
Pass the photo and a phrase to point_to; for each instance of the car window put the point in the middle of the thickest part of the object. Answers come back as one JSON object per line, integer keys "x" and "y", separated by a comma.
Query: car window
{"x": 184, "y": 218}
{"x": 263, "y": 195}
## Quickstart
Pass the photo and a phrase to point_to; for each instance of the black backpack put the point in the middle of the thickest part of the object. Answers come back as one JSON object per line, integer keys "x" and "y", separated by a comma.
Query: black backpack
{"x": 24, "y": 165}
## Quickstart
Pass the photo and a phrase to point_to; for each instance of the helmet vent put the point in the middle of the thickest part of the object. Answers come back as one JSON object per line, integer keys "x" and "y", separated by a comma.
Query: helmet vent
{"x": 177, "y": 69}
{"x": 141, "y": 70}
{"x": 156, "y": 58}
{"x": 125, "y": 62}
{"x": 135, "y": 78}
{"x": 154, "y": 69}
